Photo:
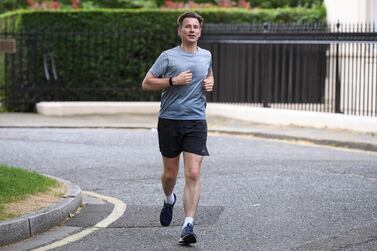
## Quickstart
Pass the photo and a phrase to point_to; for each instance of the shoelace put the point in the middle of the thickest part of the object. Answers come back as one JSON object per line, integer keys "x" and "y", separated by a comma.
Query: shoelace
{"x": 190, "y": 228}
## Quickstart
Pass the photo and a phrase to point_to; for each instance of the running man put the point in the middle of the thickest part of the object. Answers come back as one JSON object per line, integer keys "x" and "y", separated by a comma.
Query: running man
{"x": 184, "y": 74}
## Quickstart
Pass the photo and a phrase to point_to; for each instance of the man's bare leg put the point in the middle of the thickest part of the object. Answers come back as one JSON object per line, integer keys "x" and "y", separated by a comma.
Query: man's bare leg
{"x": 169, "y": 175}
{"x": 191, "y": 193}
{"x": 168, "y": 180}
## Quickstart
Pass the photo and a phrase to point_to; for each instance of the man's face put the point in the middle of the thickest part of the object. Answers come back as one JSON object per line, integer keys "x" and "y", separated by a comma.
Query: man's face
{"x": 190, "y": 30}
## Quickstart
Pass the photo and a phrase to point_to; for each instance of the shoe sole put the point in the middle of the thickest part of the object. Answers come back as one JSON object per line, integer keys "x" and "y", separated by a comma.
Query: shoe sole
{"x": 187, "y": 239}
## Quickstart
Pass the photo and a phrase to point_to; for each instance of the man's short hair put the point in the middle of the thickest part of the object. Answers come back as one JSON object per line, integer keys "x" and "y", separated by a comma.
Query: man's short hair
{"x": 191, "y": 15}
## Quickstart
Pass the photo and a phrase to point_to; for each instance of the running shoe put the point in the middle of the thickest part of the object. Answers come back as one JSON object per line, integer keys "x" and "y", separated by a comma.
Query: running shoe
{"x": 187, "y": 236}
{"x": 166, "y": 214}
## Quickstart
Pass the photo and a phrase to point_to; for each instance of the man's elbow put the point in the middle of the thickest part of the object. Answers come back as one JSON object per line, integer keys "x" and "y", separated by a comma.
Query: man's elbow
{"x": 145, "y": 86}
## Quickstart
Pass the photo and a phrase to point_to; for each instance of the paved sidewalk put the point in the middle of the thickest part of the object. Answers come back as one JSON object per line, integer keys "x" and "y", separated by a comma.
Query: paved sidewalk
{"x": 216, "y": 124}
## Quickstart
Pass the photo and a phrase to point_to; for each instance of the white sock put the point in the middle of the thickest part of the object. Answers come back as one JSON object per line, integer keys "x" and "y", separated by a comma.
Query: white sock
{"x": 187, "y": 221}
{"x": 170, "y": 199}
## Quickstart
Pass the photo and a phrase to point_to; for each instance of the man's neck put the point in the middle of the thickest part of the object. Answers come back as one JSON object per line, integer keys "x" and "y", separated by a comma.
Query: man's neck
{"x": 189, "y": 47}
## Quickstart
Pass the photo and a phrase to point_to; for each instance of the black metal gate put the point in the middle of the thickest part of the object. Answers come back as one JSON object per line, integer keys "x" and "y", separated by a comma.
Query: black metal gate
{"x": 318, "y": 67}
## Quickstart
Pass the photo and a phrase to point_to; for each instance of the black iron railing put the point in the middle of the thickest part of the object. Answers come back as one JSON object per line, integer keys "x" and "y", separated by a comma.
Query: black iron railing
{"x": 317, "y": 67}
{"x": 77, "y": 66}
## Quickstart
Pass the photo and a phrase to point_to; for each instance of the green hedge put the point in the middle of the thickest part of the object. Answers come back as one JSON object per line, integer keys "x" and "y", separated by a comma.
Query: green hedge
{"x": 282, "y": 3}
{"x": 106, "y": 19}
{"x": 103, "y": 54}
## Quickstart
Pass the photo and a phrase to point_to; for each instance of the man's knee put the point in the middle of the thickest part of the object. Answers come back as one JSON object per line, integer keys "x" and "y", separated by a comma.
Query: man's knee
{"x": 192, "y": 174}
{"x": 170, "y": 175}
{"x": 171, "y": 166}
{"x": 170, "y": 172}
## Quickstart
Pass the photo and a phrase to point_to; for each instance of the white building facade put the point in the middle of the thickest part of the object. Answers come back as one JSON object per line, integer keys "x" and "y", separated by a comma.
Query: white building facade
{"x": 357, "y": 61}
{"x": 351, "y": 11}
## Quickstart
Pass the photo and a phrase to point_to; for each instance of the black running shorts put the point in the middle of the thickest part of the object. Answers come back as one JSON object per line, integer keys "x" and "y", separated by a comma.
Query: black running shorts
{"x": 176, "y": 136}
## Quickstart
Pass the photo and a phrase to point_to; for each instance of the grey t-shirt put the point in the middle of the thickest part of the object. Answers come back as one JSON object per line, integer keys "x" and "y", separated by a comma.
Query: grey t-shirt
{"x": 183, "y": 102}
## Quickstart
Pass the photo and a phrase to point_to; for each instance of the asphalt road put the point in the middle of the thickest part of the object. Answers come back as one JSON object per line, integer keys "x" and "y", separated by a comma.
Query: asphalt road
{"x": 256, "y": 194}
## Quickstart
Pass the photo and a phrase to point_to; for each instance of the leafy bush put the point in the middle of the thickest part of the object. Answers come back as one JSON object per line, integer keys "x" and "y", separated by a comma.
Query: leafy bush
{"x": 7, "y": 5}
{"x": 283, "y": 3}
{"x": 118, "y": 4}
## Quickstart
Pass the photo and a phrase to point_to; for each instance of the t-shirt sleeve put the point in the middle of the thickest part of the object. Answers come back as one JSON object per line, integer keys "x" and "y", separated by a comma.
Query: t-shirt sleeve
{"x": 159, "y": 67}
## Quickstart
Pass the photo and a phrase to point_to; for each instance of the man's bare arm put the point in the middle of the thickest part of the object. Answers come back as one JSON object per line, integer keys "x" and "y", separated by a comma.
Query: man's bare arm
{"x": 151, "y": 83}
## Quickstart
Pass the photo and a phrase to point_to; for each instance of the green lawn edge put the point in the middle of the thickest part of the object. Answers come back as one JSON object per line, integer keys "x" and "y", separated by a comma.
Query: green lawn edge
{"x": 17, "y": 184}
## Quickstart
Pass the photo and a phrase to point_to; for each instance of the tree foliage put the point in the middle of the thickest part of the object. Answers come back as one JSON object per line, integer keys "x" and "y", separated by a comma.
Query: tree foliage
{"x": 283, "y": 3}
{"x": 7, "y": 5}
